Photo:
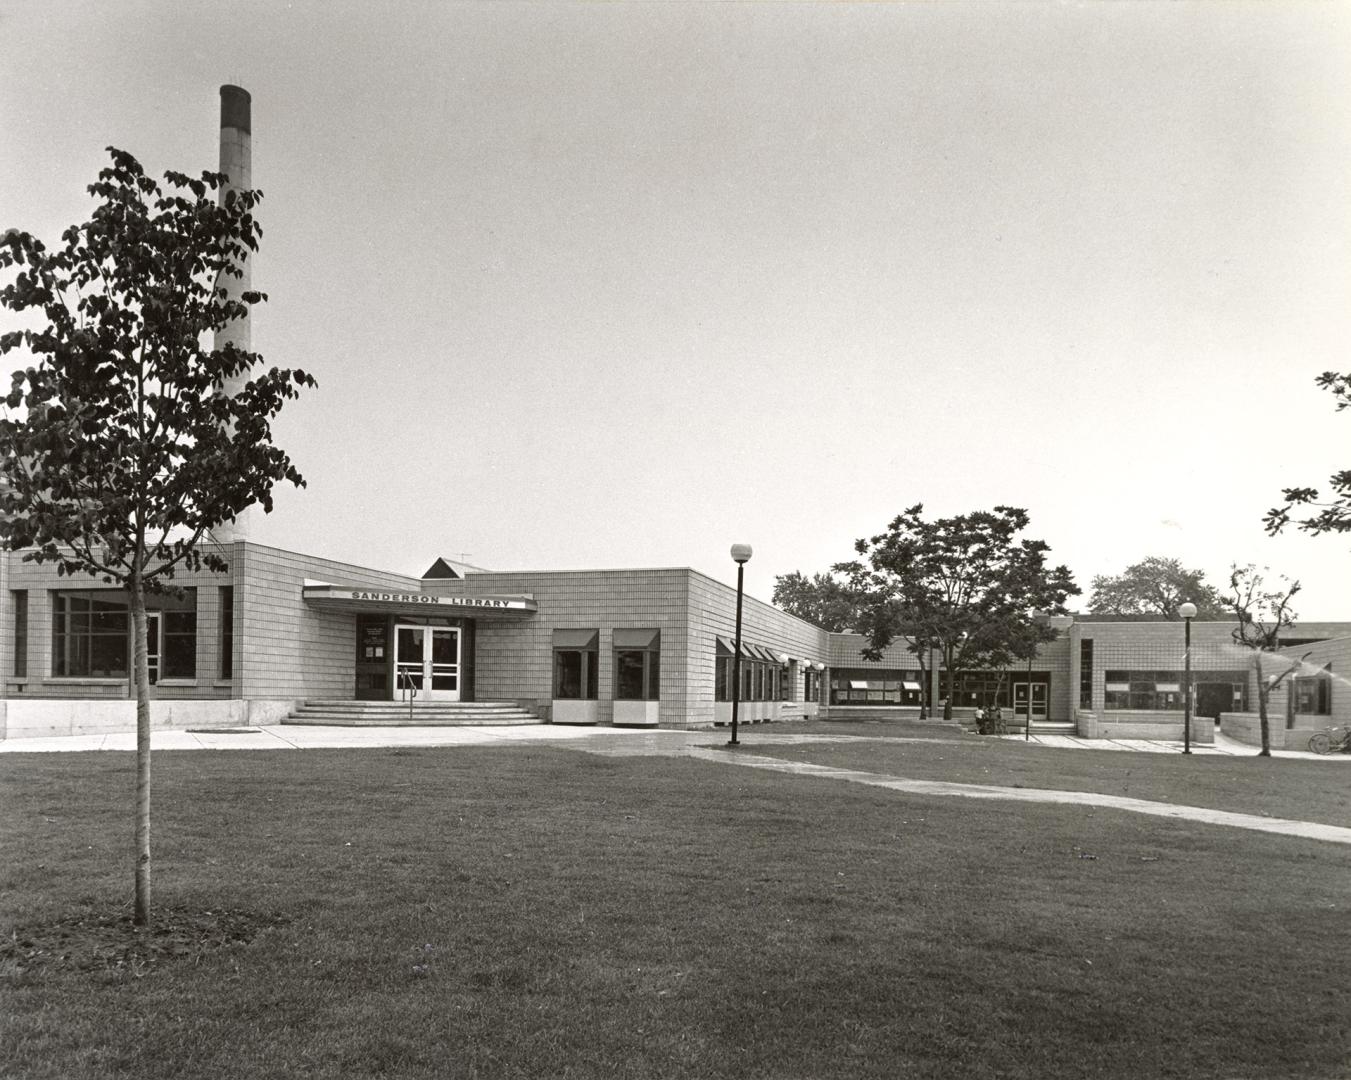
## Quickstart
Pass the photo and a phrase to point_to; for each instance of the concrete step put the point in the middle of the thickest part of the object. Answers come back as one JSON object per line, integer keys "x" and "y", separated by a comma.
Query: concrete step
{"x": 422, "y": 714}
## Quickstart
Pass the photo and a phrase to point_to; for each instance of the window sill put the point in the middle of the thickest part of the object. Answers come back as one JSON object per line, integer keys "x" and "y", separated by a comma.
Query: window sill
{"x": 177, "y": 682}
{"x": 76, "y": 680}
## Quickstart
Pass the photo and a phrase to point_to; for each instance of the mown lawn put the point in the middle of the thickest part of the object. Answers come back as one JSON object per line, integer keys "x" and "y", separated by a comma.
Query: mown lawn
{"x": 1303, "y": 789}
{"x": 541, "y": 912}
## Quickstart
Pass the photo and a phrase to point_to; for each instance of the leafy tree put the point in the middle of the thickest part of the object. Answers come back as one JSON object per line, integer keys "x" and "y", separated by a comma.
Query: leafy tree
{"x": 1155, "y": 586}
{"x": 964, "y": 587}
{"x": 1262, "y": 614}
{"x": 121, "y": 446}
{"x": 1331, "y": 516}
{"x": 822, "y": 600}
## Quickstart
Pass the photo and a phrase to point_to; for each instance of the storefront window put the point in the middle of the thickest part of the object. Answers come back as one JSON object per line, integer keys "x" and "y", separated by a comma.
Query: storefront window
{"x": 637, "y": 664}
{"x": 91, "y": 635}
{"x": 178, "y": 652}
{"x": 811, "y": 686}
{"x": 1312, "y": 695}
{"x": 874, "y": 686}
{"x": 1143, "y": 691}
{"x": 576, "y": 671}
{"x": 763, "y": 678}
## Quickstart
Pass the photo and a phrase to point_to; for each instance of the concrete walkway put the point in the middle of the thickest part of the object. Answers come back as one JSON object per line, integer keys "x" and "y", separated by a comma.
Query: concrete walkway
{"x": 1285, "y": 827}
{"x": 710, "y": 746}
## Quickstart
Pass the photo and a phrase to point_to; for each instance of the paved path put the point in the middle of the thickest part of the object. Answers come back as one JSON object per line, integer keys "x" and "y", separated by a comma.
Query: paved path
{"x": 1310, "y": 830}
{"x": 710, "y": 746}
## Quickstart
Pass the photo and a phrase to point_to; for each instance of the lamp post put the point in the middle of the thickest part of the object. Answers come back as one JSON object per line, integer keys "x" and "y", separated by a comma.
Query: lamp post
{"x": 741, "y": 555}
{"x": 1188, "y": 612}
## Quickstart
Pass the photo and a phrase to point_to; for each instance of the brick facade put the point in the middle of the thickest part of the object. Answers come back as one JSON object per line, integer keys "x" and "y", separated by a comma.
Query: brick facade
{"x": 289, "y": 646}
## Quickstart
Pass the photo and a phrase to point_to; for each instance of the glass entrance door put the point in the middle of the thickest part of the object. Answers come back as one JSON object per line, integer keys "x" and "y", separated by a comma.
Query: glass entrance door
{"x": 152, "y": 639}
{"x": 427, "y": 660}
{"x": 1020, "y": 696}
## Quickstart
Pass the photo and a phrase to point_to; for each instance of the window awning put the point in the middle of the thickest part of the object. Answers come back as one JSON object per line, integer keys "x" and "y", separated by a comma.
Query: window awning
{"x": 575, "y": 639}
{"x": 1117, "y": 687}
{"x": 1168, "y": 688}
{"x": 637, "y": 639}
{"x": 858, "y": 684}
{"x": 911, "y": 686}
{"x": 726, "y": 647}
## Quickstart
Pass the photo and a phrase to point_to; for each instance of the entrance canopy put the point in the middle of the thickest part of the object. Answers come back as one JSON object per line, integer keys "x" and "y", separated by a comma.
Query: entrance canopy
{"x": 372, "y": 600}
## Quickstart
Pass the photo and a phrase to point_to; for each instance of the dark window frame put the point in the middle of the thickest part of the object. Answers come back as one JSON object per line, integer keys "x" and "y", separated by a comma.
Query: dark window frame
{"x": 226, "y": 632}
{"x": 19, "y": 602}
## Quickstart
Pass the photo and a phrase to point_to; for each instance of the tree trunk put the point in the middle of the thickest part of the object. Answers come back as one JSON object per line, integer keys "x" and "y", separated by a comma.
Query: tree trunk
{"x": 1263, "y": 693}
{"x": 141, "y": 673}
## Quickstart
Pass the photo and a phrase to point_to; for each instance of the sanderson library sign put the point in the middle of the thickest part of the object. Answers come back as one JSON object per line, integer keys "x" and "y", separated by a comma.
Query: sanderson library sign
{"x": 346, "y": 599}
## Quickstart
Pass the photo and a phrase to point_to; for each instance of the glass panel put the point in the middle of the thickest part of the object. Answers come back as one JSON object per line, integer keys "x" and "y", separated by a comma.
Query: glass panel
{"x": 445, "y": 648}
{"x": 108, "y": 657}
{"x": 445, "y": 681}
{"x": 629, "y": 675}
{"x": 410, "y": 644}
{"x": 567, "y": 674}
{"x": 152, "y": 648}
{"x": 179, "y": 660}
{"x": 408, "y": 657}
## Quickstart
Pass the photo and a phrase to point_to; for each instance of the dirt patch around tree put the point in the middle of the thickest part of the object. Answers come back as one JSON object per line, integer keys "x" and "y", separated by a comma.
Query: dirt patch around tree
{"x": 107, "y": 943}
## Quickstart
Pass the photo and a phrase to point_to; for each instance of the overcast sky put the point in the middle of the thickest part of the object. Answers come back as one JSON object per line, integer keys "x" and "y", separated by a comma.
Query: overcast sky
{"x": 605, "y": 285}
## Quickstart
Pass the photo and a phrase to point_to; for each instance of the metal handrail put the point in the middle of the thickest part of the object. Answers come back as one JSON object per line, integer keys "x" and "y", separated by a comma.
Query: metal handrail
{"x": 405, "y": 676}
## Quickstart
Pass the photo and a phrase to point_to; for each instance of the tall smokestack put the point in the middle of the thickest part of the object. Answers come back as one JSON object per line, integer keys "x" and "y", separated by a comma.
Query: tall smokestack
{"x": 236, "y": 162}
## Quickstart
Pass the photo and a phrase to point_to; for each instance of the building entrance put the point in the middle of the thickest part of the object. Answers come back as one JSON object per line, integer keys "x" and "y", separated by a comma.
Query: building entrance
{"x": 427, "y": 660}
{"x": 1020, "y": 695}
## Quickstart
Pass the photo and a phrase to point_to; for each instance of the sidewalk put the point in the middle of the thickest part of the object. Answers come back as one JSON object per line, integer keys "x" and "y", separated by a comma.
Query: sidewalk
{"x": 1223, "y": 745}
{"x": 605, "y": 740}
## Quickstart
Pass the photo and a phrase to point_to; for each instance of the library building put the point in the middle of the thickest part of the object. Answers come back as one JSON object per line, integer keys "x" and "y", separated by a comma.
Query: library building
{"x": 284, "y": 637}
{"x": 289, "y": 638}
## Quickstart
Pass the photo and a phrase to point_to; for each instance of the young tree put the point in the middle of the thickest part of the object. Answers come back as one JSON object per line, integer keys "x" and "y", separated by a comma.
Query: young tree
{"x": 1262, "y": 614}
{"x": 121, "y": 447}
{"x": 1330, "y": 516}
{"x": 963, "y": 586}
{"x": 1155, "y": 586}
{"x": 821, "y": 599}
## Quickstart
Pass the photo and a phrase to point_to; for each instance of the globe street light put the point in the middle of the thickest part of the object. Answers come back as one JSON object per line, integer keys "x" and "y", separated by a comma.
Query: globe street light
{"x": 1188, "y": 613}
{"x": 741, "y": 554}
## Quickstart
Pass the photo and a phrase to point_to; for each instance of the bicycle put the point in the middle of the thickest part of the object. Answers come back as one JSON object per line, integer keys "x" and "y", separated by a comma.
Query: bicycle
{"x": 1333, "y": 740}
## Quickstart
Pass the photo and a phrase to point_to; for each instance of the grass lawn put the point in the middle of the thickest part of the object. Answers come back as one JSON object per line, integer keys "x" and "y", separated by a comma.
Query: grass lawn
{"x": 1299, "y": 788}
{"x": 539, "y": 912}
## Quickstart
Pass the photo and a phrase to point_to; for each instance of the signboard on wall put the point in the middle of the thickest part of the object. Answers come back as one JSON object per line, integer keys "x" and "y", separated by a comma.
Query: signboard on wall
{"x": 344, "y": 598}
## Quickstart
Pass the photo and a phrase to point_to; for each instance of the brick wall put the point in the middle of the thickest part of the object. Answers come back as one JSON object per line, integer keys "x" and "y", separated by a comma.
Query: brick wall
{"x": 286, "y": 649}
{"x": 41, "y": 579}
{"x": 515, "y": 659}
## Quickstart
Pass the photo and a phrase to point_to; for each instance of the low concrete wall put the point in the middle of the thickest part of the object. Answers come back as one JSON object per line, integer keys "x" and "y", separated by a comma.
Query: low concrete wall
{"x": 1247, "y": 728}
{"x": 40, "y": 718}
{"x": 877, "y": 712}
{"x": 753, "y": 712}
{"x": 1127, "y": 724}
{"x": 636, "y": 713}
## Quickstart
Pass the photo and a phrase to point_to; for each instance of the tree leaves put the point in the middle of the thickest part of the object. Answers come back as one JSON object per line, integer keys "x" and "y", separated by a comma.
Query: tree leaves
{"x": 1155, "y": 586}
{"x": 964, "y": 585}
{"x": 1333, "y": 516}
{"x": 131, "y": 445}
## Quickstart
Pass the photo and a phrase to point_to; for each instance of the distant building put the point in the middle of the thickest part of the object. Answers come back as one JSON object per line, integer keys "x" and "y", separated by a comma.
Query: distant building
{"x": 285, "y": 635}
